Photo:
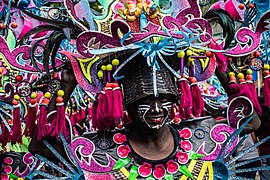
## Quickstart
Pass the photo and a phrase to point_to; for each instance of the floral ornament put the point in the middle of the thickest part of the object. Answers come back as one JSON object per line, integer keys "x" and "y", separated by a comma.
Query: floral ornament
{"x": 182, "y": 157}
{"x": 123, "y": 151}
{"x": 8, "y": 160}
{"x": 186, "y": 145}
{"x": 185, "y": 133}
{"x": 119, "y": 138}
{"x": 172, "y": 167}
{"x": 159, "y": 171}
{"x": 145, "y": 170}
{"x": 8, "y": 169}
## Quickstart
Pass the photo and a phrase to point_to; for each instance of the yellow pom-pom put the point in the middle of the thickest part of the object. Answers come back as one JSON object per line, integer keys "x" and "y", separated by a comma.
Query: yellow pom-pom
{"x": 240, "y": 76}
{"x": 190, "y": 59}
{"x": 231, "y": 74}
{"x": 189, "y": 53}
{"x": 100, "y": 74}
{"x": 1, "y": 70}
{"x": 109, "y": 67}
{"x": 181, "y": 54}
{"x": 115, "y": 62}
{"x": 47, "y": 95}
{"x": 16, "y": 97}
{"x": 33, "y": 95}
{"x": 104, "y": 68}
{"x": 266, "y": 67}
{"x": 249, "y": 71}
{"x": 60, "y": 93}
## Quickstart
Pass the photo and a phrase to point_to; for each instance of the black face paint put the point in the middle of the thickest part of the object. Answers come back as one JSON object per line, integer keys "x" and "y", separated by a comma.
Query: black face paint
{"x": 154, "y": 112}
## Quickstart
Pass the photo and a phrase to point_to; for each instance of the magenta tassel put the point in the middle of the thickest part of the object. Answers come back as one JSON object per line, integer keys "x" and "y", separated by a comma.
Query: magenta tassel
{"x": 58, "y": 123}
{"x": 185, "y": 108}
{"x": 82, "y": 113}
{"x": 93, "y": 111}
{"x": 16, "y": 136}
{"x": 198, "y": 103}
{"x": 266, "y": 91}
{"x": 101, "y": 112}
{"x": 30, "y": 120}
{"x": 109, "y": 100}
{"x": 42, "y": 122}
{"x": 235, "y": 90}
{"x": 118, "y": 111}
{"x": 5, "y": 136}
{"x": 72, "y": 119}
{"x": 254, "y": 97}
{"x": 248, "y": 93}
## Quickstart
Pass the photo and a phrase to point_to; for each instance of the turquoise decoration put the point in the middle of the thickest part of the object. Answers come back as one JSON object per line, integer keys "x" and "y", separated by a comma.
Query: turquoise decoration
{"x": 71, "y": 174}
{"x": 220, "y": 171}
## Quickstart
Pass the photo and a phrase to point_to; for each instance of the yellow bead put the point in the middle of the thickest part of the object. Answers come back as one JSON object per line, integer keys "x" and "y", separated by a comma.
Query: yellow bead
{"x": 181, "y": 54}
{"x": 47, "y": 95}
{"x": 115, "y": 62}
{"x": 104, "y": 68}
{"x": 249, "y": 71}
{"x": 189, "y": 53}
{"x": 60, "y": 93}
{"x": 109, "y": 67}
{"x": 190, "y": 59}
{"x": 231, "y": 74}
{"x": 266, "y": 67}
{"x": 16, "y": 97}
{"x": 33, "y": 95}
{"x": 240, "y": 76}
{"x": 100, "y": 74}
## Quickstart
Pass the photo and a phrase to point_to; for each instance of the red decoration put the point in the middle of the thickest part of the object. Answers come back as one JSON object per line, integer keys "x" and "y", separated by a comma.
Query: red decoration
{"x": 119, "y": 138}
{"x": 241, "y": 6}
{"x": 182, "y": 157}
{"x": 185, "y": 133}
{"x": 14, "y": 25}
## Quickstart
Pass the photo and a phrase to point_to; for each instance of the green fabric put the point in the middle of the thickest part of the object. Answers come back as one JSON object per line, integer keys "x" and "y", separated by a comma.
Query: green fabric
{"x": 121, "y": 163}
{"x": 133, "y": 173}
{"x": 184, "y": 170}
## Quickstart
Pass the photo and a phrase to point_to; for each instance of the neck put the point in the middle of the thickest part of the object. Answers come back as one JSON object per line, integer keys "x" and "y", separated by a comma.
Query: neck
{"x": 152, "y": 144}
{"x": 147, "y": 135}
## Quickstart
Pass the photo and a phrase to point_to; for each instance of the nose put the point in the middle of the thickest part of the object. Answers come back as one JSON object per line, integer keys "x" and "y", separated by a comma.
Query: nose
{"x": 156, "y": 107}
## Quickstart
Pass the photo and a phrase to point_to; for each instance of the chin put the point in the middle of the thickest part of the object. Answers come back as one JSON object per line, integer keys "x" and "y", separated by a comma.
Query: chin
{"x": 152, "y": 125}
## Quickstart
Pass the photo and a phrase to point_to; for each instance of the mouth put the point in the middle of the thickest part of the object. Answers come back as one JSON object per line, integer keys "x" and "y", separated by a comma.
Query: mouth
{"x": 155, "y": 120}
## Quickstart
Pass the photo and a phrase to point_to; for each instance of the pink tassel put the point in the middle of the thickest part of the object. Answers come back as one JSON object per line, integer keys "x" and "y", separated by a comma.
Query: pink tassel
{"x": 185, "y": 108}
{"x": 82, "y": 113}
{"x": 109, "y": 101}
{"x": 93, "y": 111}
{"x": 58, "y": 125}
{"x": 5, "y": 136}
{"x": 266, "y": 91}
{"x": 30, "y": 119}
{"x": 16, "y": 136}
{"x": 101, "y": 112}
{"x": 72, "y": 119}
{"x": 235, "y": 90}
{"x": 198, "y": 103}
{"x": 254, "y": 97}
{"x": 42, "y": 122}
{"x": 118, "y": 111}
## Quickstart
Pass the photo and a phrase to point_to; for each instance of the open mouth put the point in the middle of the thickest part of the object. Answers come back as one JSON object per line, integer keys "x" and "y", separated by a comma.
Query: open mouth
{"x": 155, "y": 120}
